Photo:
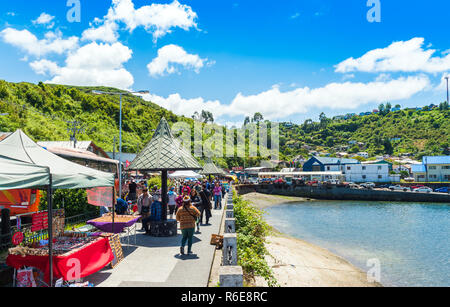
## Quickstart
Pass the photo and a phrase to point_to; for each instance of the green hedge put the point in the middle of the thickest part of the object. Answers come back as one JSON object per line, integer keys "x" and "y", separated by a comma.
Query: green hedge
{"x": 252, "y": 231}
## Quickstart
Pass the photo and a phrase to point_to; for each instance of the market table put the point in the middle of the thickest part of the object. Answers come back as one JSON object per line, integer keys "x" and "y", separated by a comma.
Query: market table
{"x": 120, "y": 223}
{"x": 91, "y": 258}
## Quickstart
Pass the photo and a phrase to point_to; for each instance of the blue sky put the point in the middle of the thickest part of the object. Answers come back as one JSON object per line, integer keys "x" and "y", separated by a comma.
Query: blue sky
{"x": 290, "y": 60}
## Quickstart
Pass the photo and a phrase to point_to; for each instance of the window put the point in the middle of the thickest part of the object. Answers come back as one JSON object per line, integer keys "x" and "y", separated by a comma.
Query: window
{"x": 379, "y": 168}
{"x": 446, "y": 177}
{"x": 432, "y": 167}
{"x": 433, "y": 176}
{"x": 380, "y": 177}
{"x": 421, "y": 176}
{"x": 364, "y": 177}
{"x": 446, "y": 167}
{"x": 328, "y": 168}
{"x": 364, "y": 168}
{"x": 349, "y": 168}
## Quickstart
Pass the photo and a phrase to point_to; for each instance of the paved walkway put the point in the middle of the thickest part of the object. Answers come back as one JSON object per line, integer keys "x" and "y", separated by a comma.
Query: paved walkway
{"x": 156, "y": 262}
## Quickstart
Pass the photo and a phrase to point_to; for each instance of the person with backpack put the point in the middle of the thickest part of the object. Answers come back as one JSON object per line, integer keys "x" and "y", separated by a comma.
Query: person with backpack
{"x": 187, "y": 215}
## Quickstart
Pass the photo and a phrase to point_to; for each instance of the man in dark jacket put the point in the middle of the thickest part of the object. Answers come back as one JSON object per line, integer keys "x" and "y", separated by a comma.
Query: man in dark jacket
{"x": 206, "y": 206}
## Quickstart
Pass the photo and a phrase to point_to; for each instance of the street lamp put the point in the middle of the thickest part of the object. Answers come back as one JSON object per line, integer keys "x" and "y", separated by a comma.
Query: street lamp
{"x": 120, "y": 124}
{"x": 446, "y": 78}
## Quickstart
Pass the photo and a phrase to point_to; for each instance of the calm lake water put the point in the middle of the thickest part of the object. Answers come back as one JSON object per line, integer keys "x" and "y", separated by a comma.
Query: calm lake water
{"x": 411, "y": 240}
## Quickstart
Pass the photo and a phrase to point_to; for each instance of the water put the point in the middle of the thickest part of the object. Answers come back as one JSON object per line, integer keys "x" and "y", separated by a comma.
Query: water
{"x": 411, "y": 240}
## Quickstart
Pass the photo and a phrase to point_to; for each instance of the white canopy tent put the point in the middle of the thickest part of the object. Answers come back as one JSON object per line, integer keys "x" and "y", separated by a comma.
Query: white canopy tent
{"x": 185, "y": 174}
{"x": 63, "y": 174}
{"x": 16, "y": 175}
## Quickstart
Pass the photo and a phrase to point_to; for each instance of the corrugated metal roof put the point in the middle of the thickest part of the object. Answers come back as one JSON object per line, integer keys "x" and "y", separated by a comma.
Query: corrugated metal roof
{"x": 436, "y": 160}
{"x": 418, "y": 168}
{"x": 328, "y": 160}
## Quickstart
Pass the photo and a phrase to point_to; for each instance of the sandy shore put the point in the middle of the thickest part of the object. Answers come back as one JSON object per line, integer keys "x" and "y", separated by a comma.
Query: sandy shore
{"x": 297, "y": 263}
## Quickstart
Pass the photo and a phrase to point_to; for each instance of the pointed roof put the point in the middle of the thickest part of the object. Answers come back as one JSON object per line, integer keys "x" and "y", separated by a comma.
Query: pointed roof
{"x": 211, "y": 169}
{"x": 65, "y": 174}
{"x": 164, "y": 152}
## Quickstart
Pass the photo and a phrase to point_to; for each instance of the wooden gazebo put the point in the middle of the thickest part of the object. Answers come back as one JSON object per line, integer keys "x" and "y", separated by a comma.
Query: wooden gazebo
{"x": 164, "y": 154}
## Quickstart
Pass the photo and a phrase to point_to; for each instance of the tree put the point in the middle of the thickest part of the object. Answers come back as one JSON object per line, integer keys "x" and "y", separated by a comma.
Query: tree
{"x": 258, "y": 117}
{"x": 388, "y": 107}
{"x": 207, "y": 117}
{"x": 247, "y": 121}
{"x": 382, "y": 109}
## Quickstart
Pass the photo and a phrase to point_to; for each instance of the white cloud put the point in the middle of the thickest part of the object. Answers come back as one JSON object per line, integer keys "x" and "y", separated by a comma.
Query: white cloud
{"x": 106, "y": 33}
{"x": 45, "y": 19}
{"x": 443, "y": 82}
{"x": 91, "y": 65}
{"x": 186, "y": 107}
{"x": 158, "y": 19}
{"x": 274, "y": 104}
{"x": 45, "y": 67}
{"x": 402, "y": 56}
{"x": 29, "y": 43}
{"x": 171, "y": 56}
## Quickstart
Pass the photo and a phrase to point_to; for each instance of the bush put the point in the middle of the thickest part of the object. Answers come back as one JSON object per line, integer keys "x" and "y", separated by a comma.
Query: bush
{"x": 252, "y": 231}
{"x": 75, "y": 202}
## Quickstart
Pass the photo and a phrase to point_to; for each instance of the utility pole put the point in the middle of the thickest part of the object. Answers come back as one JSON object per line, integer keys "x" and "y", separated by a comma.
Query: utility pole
{"x": 75, "y": 129}
{"x": 114, "y": 148}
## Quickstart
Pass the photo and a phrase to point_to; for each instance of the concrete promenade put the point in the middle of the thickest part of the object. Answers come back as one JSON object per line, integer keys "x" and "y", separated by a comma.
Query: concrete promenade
{"x": 156, "y": 262}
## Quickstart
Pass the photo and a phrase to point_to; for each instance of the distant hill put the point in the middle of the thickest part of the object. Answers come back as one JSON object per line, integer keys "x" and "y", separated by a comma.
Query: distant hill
{"x": 418, "y": 132}
{"x": 44, "y": 111}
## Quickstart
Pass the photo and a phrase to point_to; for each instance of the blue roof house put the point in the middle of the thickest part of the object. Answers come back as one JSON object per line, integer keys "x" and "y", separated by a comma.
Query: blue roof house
{"x": 326, "y": 164}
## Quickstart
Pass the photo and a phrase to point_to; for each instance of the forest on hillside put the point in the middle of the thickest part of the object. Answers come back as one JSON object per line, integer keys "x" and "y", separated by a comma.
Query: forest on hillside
{"x": 47, "y": 112}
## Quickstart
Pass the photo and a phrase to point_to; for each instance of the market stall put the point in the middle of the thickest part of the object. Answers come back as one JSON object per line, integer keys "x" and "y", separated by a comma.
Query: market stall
{"x": 121, "y": 222}
{"x": 88, "y": 254}
{"x": 62, "y": 174}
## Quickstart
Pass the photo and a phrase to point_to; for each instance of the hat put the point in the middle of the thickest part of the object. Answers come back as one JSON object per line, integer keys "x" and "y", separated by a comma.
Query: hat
{"x": 186, "y": 199}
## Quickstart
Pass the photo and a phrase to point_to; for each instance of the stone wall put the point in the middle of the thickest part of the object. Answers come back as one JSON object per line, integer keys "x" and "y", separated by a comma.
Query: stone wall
{"x": 341, "y": 193}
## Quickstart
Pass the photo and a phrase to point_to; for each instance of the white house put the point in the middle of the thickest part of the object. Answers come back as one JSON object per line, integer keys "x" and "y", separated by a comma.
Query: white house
{"x": 365, "y": 155}
{"x": 367, "y": 173}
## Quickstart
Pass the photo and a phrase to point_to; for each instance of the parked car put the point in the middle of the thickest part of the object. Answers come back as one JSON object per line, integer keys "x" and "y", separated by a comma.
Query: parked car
{"x": 253, "y": 180}
{"x": 368, "y": 185}
{"x": 417, "y": 186}
{"x": 423, "y": 190}
{"x": 399, "y": 188}
{"x": 279, "y": 181}
{"x": 443, "y": 190}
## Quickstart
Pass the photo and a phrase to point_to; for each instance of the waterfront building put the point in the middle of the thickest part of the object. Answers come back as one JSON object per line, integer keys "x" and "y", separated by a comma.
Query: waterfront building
{"x": 327, "y": 164}
{"x": 366, "y": 172}
{"x": 432, "y": 169}
{"x": 307, "y": 176}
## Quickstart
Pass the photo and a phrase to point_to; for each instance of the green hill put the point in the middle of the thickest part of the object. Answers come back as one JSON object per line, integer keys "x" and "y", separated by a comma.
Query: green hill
{"x": 418, "y": 132}
{"x": 45, "y": 111}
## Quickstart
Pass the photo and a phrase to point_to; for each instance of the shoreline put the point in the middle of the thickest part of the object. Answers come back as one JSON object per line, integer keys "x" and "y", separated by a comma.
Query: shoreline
{"x": 297, "y": 263}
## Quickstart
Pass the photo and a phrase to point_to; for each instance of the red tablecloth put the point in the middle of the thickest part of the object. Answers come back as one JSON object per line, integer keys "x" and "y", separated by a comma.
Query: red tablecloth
{"x": 91, "y": 258}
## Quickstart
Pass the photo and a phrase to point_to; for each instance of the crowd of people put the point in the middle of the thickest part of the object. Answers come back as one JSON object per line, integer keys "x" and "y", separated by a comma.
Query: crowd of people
{"x": 190, "y": 202}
